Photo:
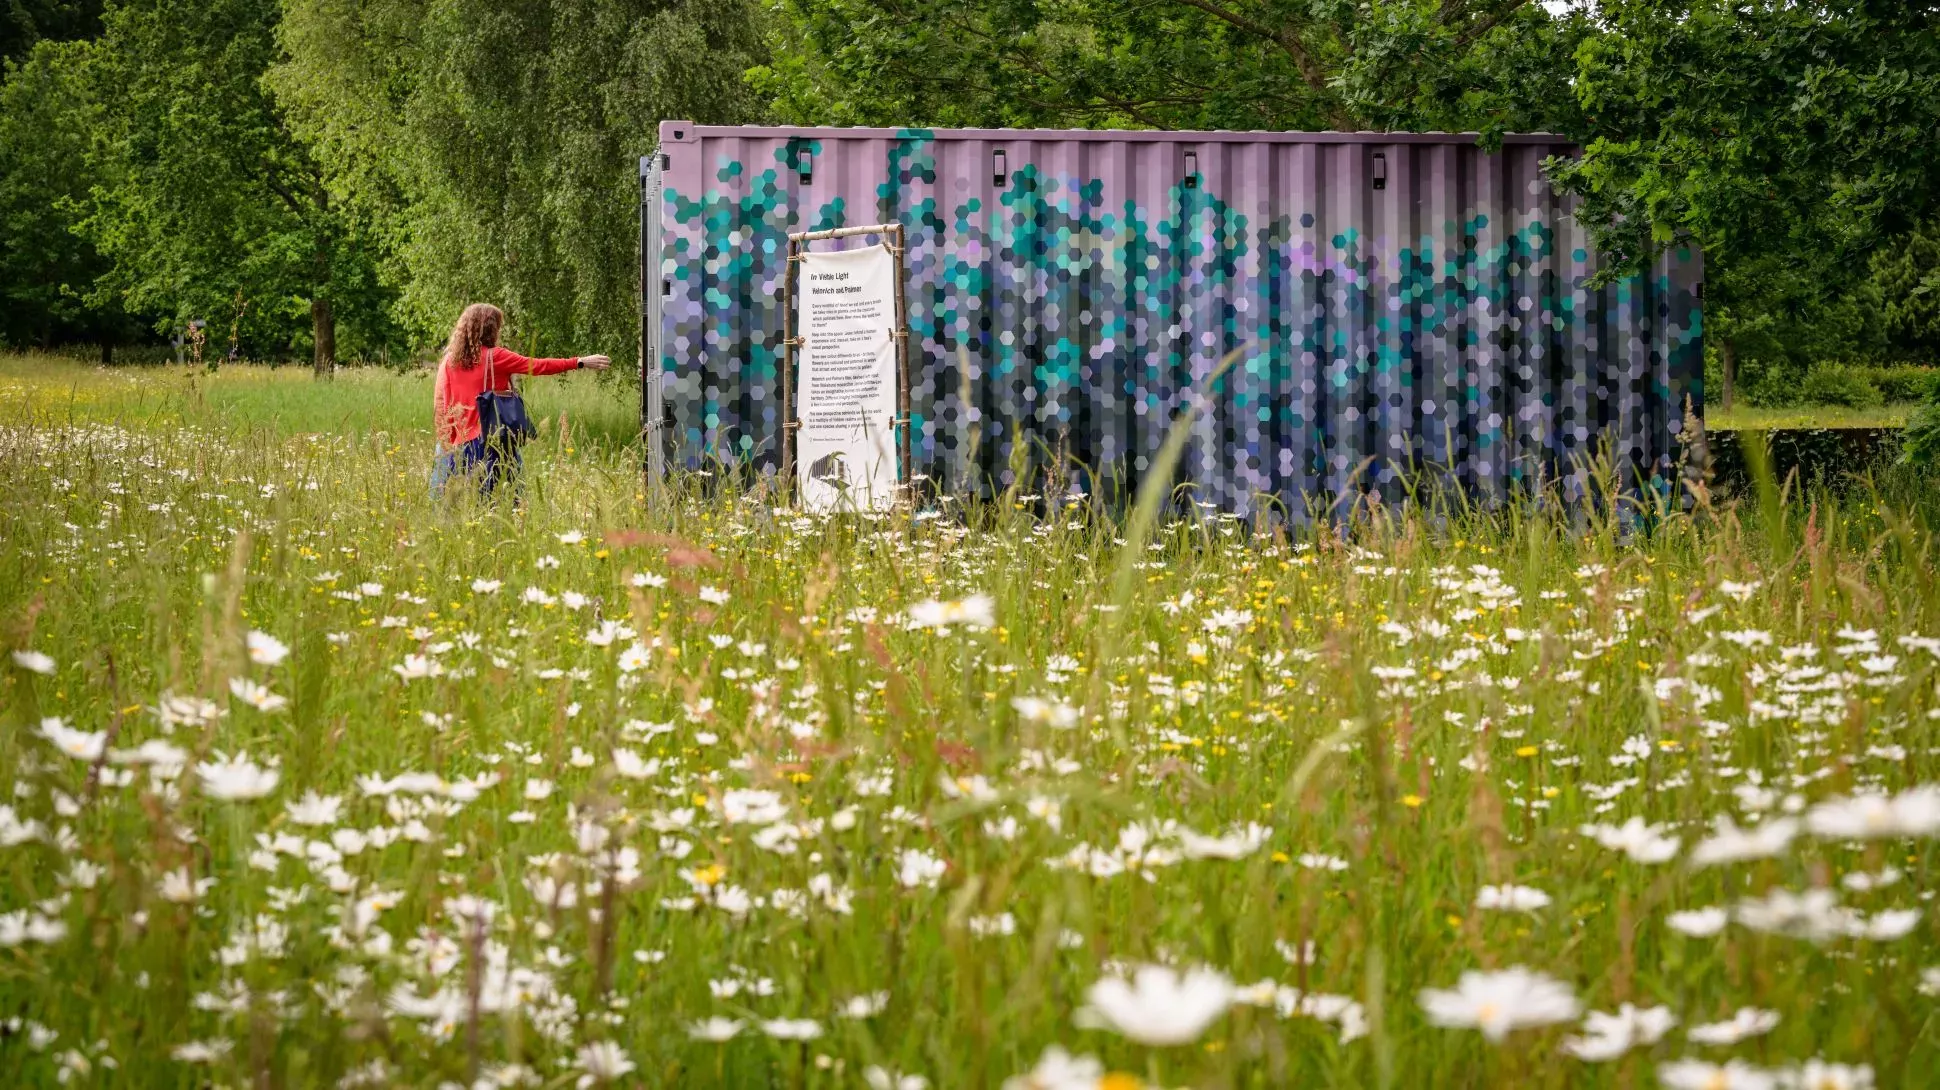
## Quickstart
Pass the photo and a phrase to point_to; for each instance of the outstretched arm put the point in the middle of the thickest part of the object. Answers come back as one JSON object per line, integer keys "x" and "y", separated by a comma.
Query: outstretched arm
{"x": 512, "y": 363}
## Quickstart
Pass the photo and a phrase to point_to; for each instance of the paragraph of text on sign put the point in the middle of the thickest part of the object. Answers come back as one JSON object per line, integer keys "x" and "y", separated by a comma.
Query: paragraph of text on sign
{"x": 848, "y": 380}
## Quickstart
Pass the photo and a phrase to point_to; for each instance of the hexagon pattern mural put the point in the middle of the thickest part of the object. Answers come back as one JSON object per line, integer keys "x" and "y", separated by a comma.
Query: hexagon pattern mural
{"x": 1391, "y": 305}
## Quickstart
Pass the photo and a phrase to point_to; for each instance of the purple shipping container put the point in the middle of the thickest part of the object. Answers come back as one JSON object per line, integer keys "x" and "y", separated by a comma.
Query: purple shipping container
{"x": 1398, "y": 304}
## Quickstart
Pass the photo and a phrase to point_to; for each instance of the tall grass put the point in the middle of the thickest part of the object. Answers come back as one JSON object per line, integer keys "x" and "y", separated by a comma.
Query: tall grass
{"x": 289, "y": 400}
{"x": 1204, "y": 742}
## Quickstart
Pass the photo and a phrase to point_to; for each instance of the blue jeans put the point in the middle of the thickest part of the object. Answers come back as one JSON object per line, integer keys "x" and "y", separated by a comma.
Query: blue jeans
{"x": 490, "y": 464}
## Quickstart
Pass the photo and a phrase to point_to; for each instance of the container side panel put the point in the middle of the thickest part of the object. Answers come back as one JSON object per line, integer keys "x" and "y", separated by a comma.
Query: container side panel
{"x": 1394, "y": 310}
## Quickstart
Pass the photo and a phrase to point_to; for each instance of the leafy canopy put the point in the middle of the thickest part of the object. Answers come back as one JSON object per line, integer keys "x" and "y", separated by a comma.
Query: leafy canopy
{"x": 1493, "y": 65}
{"x": 494, "y": 145}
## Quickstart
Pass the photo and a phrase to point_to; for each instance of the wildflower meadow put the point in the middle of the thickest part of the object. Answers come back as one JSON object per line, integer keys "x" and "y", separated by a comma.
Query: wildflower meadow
{"x": 312, "y": 780}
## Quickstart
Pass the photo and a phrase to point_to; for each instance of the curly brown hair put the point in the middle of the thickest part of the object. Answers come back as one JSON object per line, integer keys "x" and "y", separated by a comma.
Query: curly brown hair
{"x": 477, "y": 328}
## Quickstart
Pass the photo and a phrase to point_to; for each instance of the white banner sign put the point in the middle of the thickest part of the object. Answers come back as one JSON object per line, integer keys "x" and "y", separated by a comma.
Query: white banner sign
{"x": 845, "y": 452}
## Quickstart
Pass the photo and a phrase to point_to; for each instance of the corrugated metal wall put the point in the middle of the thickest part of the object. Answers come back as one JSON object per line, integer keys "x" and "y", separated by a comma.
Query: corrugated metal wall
{"x": 1393, "y": 300}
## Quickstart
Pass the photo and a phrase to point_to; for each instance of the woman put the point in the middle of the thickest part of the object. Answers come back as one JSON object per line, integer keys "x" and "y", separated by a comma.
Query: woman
{"x": 473, "y": 362}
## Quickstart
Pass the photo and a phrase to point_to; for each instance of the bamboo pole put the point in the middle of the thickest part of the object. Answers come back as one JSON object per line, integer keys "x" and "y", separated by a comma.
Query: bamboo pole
{"x": 788, "y": 368}
{"x": 884, "y": 229}
{"x": 901, "y": 335}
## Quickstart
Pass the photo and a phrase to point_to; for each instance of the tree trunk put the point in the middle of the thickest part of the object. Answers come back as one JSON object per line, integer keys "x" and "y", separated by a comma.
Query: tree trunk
{"x": 325, "y": 323}
{"x": 1728, "y": 361}
{"x": 321, "y": 317}
{"x": 107, "y": 352}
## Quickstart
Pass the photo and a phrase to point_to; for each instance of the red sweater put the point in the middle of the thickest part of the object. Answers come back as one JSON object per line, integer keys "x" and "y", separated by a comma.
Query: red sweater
{"x": 454, "y": 396}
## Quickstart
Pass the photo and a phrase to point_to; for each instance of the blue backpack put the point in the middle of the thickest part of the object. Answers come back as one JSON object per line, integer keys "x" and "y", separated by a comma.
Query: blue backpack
{"x": 502, "y": 419}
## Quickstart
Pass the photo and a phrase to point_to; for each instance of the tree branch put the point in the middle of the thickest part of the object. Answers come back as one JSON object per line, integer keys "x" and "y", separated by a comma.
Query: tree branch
{"x": 1289, "y": 41}
{"x": 289, "y": 199}
{"x": 1027, "y": 63}
{"x": 1486, "y": 23}
{"x": 1081, "y": 110}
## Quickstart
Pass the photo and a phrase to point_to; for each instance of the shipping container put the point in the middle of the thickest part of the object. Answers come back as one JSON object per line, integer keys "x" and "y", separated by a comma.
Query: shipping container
{"x": 1396, "y": 305}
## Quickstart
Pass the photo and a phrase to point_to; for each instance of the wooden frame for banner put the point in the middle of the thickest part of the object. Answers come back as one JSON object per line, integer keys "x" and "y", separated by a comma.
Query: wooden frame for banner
{"x": 892, "y": 234}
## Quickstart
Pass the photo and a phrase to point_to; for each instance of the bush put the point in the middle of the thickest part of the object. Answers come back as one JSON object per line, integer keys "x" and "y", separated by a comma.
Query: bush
{"x": 1899, "y": 384}
{"x": 1921, "y": 439}
{"x": 1837, "y": 384}
{"x": 1774, "y": 386}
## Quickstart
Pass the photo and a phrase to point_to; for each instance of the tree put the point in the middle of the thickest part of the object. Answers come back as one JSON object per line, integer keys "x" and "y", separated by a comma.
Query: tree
{"x": 493, "y": 144}
{"x": 1493, "y": 65}
{"x": 206, "y": 204}
{"x": 46, "y": 270}
{"x": 1787, "y": 139}
{"x": 1770, "y": 317}
{"x": 25, "y": 23}
{"x": 1907, "y": 276}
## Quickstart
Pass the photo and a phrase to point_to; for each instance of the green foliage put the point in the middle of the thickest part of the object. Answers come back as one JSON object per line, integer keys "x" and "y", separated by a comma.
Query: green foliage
{"x": 46, "y": 270}
{"x": 25, "y": 23}
{"x": 1922, "y": 439}
{"x": 1209, "y": 64}
{"x": 1835, "y": 384}
{"x": 1920, "y": 443}
{"x": 1902, "y": 384}
{"x": 1789, "y": 140}
{"x": 1763, "y": 128}
{"x": 1829, "y": 382}
{"x": 1782, "y": 317}
{"x": 493, "y": 147}
{"x": 1745, "y": 417}
{"x": 1907, "y": 277}
{"x": 204, "y": 201}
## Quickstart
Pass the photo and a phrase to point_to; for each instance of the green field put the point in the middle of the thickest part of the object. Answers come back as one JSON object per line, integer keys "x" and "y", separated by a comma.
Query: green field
{"x": 364, "y": 403}
{"x": 315, "y": 781}
{"x": 1752, "y": 418}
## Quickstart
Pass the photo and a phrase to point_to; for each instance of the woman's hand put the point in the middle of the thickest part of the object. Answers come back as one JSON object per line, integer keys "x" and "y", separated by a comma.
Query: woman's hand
{"x": 597, "y": 363}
